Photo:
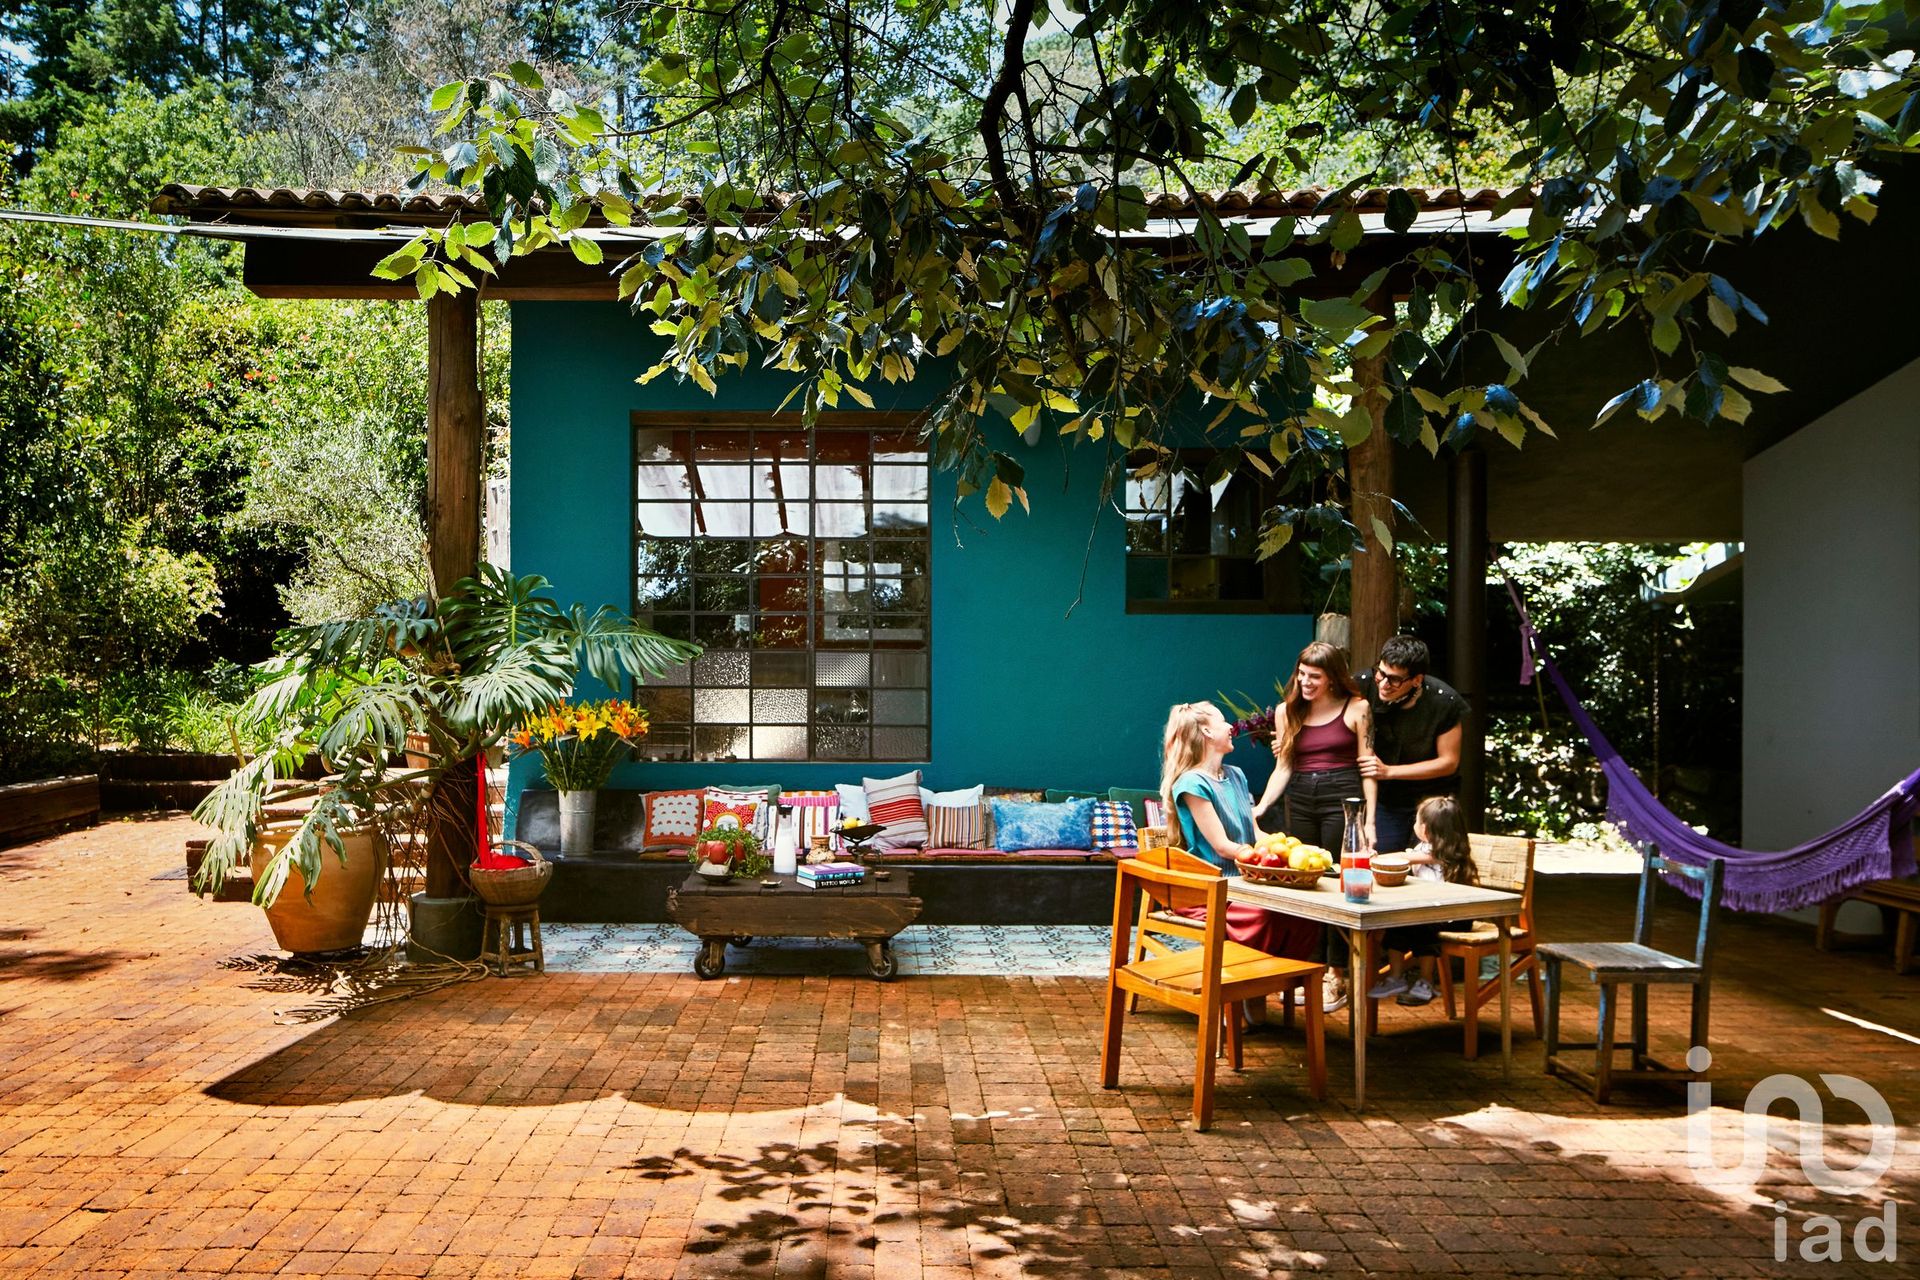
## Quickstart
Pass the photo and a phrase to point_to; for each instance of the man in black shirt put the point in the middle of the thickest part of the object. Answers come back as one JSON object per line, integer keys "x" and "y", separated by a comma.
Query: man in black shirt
{"x": 1415, "y": 751}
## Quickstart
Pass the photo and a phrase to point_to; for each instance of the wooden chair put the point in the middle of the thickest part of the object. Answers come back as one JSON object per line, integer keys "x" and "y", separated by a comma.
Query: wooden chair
{"x": 1499, "y": 862}
{"x": 1158, "y": 922}
{"x": 1637, "y": 965}
{"x": 1203, "y": 980}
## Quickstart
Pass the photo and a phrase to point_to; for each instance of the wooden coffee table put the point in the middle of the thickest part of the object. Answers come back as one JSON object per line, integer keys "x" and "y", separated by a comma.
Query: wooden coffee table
{"x": 723, "y": 911}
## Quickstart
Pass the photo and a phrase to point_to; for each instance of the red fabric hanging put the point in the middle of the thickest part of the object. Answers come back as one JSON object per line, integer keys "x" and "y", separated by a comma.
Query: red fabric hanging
{"x": 484, "y": 855}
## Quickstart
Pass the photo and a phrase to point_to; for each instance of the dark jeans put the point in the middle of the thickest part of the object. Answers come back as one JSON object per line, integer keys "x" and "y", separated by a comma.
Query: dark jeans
{"x": 1314, "y": 816}
{"x": 1313, "y": 801}
{"x": 1393, "y": 827}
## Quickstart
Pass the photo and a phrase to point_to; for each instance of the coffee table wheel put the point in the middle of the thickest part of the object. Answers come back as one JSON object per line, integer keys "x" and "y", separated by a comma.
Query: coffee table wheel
{"x": 712, "y": 960}
{"x": 880, "y": 961}
{"x": 741, "y": 939}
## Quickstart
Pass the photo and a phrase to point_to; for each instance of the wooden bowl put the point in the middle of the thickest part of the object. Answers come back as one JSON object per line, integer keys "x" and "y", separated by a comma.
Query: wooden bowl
{"x": 1390, "y": 872}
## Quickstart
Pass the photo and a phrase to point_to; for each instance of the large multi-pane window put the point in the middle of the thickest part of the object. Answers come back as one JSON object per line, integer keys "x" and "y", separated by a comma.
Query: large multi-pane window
{"x": 798, "y": 558}
{"x": 1193, "y": 546}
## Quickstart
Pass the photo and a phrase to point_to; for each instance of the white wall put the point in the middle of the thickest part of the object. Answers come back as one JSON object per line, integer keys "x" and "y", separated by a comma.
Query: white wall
{"x": 1832, "y": 578}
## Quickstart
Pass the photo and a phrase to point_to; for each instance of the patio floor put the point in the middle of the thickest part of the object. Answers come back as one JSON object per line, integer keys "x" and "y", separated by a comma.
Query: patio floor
{"x": 156, "y": 1119}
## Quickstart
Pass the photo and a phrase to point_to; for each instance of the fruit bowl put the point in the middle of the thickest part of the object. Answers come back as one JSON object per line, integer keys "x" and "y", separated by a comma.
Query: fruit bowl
{"x": 1288, "y": 877}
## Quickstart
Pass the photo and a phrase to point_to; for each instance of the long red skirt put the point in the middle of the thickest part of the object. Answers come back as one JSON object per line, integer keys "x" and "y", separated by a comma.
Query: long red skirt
{"x": 1268, "y": 931}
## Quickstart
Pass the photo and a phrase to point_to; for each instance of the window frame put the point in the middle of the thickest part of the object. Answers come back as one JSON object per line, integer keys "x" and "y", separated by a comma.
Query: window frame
{"x": 1273, "y": 599}
{"x": 867, "y": 424}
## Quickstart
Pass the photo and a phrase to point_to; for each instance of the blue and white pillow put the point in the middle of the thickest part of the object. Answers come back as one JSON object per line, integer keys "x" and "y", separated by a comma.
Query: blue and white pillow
{"x": 1113, "y": 826}
{"x": 1018, "y": 826}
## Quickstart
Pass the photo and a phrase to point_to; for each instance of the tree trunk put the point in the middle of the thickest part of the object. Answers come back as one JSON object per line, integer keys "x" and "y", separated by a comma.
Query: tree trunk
{"x": 1467, "y": 621}
{"x": 455, "y": 430}
{"x": 1375, "y": 612}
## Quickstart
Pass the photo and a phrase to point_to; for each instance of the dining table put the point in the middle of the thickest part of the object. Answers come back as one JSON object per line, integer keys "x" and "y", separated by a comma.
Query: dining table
{"x": 1415, "y": 902}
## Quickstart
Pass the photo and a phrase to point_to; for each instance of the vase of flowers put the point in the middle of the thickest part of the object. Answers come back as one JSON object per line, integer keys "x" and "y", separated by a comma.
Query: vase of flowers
{"x": 578, "y": 744}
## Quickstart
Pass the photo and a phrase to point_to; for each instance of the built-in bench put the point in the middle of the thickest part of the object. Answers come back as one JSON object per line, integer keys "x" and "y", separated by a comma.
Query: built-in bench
{"x": 624, "y": 882}
{"x": 1899, "y": 897}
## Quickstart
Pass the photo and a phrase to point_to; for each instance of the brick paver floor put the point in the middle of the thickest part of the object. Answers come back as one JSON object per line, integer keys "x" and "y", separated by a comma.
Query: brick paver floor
{"x": 155, "y": 1119}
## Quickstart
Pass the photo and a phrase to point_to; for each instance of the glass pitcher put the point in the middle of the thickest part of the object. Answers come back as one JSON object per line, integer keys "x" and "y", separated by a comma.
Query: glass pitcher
{"x": 1356, "y": 852}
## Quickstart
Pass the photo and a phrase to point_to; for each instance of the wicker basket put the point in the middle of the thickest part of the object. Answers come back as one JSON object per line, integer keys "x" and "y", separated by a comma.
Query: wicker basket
{"x": 1285, "y": 876}
{"x": 515, "y": 886}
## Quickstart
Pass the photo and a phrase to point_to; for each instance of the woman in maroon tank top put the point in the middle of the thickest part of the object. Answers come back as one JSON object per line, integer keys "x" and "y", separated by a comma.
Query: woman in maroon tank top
{"x": 1319, "y": 729}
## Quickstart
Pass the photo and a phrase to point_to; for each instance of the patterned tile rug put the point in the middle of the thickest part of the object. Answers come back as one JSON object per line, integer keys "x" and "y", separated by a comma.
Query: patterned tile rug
{"x": 1009, "y": 950}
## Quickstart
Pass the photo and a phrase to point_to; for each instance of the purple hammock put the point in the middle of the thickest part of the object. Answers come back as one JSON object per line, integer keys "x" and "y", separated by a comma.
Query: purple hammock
{"x": 1876, "y": 844}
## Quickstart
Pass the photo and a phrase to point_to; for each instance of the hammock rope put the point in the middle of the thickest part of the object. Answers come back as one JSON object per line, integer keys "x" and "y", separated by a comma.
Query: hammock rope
{"x": 1875, "y": 844}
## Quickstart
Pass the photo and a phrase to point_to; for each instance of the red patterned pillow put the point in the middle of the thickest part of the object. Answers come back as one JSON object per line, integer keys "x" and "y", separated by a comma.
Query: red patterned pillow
{"x": 673, "y": 817}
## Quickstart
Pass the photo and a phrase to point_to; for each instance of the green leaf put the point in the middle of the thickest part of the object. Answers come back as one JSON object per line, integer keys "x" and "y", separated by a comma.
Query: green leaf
{"x": 1401, "y": 210}
{"x": 1516, "y": 362}
{"x": 586, "y": 250}
{"x": 1754, "y": 380}
{"x": 525, "y": 76}
{"x": 1336, "y": 316}
{"x": 999, "y": 498}
{"x": 1241, "y": 109}
{"x": 446, "y": 95}
{"x": 1384, "y": 534}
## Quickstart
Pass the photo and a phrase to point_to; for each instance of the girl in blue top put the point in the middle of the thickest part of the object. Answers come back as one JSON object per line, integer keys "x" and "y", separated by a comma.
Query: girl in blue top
{"x": 1210, "y": 813}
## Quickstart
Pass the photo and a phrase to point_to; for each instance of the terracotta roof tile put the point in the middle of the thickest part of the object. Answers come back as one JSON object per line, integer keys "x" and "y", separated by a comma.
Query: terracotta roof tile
{"x": 309, "y": 204}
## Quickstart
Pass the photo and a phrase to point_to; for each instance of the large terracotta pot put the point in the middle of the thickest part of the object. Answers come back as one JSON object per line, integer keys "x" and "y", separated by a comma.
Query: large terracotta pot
{"x": 336, "y": 918}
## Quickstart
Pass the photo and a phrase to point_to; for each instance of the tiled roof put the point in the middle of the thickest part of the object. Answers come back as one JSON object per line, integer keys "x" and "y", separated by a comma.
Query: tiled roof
{"x": 308, "y": 205}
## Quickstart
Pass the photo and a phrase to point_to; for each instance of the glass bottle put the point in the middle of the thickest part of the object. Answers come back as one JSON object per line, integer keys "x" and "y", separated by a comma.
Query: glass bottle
{"x": 1356, "y": 854}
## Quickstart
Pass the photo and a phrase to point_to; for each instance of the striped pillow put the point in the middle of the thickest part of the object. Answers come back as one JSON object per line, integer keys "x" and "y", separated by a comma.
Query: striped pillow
{"x": 895, "y": 804}
{"x": 814, "y": 812}
{"x": 956, "y": 826}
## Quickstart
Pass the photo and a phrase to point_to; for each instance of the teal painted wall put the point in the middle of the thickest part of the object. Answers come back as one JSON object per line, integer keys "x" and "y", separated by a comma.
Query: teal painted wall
{"x": 1030, "y": 688}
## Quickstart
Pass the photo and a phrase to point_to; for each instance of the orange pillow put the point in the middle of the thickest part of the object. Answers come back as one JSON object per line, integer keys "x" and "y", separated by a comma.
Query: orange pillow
{"x": 673, "y": 817}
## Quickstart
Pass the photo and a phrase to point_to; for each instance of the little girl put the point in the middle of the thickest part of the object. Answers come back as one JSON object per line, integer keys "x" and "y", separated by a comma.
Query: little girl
{"x": 1441, "y": 853}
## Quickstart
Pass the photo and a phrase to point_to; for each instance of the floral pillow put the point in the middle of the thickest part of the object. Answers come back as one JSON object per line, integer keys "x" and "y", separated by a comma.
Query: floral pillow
{"x": 674, "y": 817}
{"x": 1017, "y": 826}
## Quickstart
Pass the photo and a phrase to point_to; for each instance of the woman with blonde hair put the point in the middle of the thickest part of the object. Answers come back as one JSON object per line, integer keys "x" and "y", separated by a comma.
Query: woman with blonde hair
{"x": 1321, "y": 728}
{"x": 1210, "y": 813}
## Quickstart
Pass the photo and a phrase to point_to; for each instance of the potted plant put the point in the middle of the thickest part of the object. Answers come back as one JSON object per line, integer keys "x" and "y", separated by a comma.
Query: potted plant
{"x": 459, "y": 672}
{"x": 578, "y": 745}
{"x": 728, "y": 849}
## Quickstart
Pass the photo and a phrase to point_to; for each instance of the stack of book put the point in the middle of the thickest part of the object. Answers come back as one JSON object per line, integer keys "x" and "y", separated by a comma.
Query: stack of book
{"x": 819, "y": 875}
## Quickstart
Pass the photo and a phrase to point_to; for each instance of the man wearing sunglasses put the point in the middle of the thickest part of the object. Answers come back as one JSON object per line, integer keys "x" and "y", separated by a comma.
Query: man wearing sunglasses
{"x": 1415, "y": 751}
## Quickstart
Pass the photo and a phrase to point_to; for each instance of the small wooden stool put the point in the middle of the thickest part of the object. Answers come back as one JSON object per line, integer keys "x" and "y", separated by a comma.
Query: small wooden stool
{"x": 503, "y": 942}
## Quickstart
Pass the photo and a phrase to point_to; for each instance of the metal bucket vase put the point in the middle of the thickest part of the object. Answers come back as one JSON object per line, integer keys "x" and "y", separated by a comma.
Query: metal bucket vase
{"x": 336, "y": 917}
{"x": 576, "y": 823}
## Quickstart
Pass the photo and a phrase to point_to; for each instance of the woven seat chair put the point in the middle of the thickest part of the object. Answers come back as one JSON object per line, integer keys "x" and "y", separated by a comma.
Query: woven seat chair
{"x": 1499, "y": 862}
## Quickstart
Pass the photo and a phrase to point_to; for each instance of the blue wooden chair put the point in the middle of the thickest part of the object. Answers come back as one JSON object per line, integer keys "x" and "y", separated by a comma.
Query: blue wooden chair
{"x": 1611, "y": 965}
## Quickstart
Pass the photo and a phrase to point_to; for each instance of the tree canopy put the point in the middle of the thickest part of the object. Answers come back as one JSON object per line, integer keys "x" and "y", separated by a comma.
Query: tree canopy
{"x": 855, "y": 189}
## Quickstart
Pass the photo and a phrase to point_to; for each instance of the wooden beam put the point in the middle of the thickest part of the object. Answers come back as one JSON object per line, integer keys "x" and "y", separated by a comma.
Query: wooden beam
{"x": 1467, "y": 621}
{"x": 1375, "y": 612}
{"x": 456, "y": 427}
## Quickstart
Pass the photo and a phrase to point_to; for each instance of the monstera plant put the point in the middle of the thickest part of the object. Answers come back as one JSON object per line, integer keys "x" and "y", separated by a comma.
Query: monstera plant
{"x": 454, "y": 674}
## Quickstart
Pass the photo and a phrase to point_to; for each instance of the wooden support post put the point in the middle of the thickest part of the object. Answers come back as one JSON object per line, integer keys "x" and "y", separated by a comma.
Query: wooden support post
{"x": 1375, "y": 612}
{"x": 456, "y": 428}
{"x": 1467, "y": 621}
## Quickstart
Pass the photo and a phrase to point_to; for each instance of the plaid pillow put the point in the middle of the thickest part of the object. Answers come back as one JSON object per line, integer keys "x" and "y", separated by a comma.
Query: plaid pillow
{"x": 1113, "y": 825}
{"x": 895, "y": 804}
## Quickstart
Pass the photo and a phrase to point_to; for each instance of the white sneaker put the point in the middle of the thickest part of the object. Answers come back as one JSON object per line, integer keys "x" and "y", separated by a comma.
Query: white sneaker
{"x": 1333, "y": 993}
{"x": 1421, "y": 992}
{"x": 1391, "y": 985}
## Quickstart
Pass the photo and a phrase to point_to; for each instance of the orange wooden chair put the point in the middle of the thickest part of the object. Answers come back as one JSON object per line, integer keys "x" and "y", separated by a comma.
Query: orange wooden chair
{"x": 1205, "y": 980}
{"x": 1499, "y": 862}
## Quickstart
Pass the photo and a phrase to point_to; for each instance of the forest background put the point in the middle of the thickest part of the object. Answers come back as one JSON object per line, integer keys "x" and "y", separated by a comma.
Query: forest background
{"x": 189, "y": 468}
